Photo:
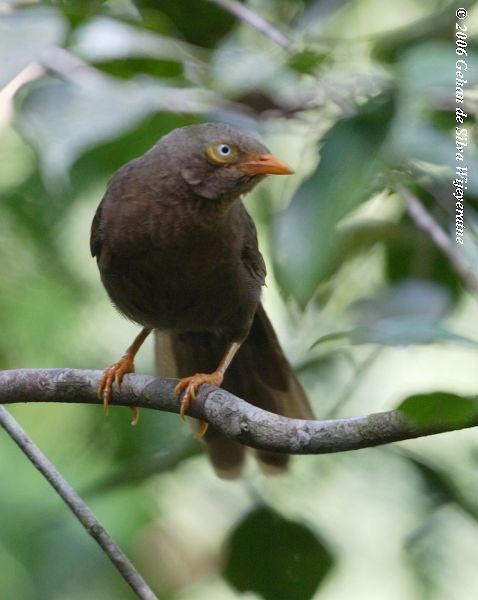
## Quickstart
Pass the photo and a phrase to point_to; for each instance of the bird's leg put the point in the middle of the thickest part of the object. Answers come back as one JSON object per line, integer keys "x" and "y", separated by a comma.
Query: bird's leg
{"x": 191, "y": 384}
{"x": 117, "y": 370}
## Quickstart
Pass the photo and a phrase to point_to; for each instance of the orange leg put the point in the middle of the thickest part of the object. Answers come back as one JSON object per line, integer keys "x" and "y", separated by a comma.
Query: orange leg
{"x": 116, "y": 372}
{"x": 190, "y": 385}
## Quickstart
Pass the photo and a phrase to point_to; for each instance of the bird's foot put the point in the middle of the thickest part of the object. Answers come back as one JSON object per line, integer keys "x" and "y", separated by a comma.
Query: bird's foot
{"x": 115, "y": 373}
{"x": 190, "y": 386}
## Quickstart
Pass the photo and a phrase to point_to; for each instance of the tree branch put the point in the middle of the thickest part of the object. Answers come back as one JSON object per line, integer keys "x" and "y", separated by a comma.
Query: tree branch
{"x": 242, "y": 12}
{"x": 430, "y": 227}
{"x": 236, "y": 418}
{"x": 76, "y": 504}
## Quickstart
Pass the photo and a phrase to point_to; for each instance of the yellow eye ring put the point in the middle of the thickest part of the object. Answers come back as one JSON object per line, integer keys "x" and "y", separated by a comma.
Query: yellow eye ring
{"x": 221, "y": 153}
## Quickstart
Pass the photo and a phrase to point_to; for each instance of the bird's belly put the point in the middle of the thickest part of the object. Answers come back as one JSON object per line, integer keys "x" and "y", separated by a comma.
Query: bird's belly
{"x": 185, "y": 296}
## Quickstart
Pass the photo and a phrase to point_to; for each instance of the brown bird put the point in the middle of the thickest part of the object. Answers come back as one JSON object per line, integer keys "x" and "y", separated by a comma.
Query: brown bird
{"x": 178, "y": 254}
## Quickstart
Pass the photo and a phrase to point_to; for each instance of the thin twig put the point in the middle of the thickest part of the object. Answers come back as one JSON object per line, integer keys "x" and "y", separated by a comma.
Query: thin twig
{"x": 428, "y": 224}
{"x": 77, "y": 506}
{"x": 236, "y": 418}
{"x": 250, "y": 17}
{"x": 7, "y": 94}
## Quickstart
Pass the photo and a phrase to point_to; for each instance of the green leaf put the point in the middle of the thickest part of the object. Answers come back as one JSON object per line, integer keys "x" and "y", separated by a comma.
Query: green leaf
{"x": 200, "y": 22}
{"x": 332, "y": 337}
{"x": 439, "y": 408}
{"x": 277, "y": 558}
{"x": 306, "y": 61}
{"x": 304, "y": 236}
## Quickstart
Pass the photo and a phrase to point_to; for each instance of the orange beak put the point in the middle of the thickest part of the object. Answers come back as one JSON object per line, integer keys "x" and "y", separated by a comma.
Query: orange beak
{"x": 267, "y": 164}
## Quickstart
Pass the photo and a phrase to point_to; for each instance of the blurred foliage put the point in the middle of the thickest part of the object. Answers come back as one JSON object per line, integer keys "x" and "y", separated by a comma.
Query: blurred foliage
{"x": 362, "y": 101}
{"x": 438, "y": 408}
{"x": 326, "y": 198}
{"x": 276, "y": 557}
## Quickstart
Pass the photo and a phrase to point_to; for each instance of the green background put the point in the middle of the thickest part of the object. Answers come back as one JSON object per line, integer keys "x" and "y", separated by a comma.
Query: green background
{"x": 368, "y": 310}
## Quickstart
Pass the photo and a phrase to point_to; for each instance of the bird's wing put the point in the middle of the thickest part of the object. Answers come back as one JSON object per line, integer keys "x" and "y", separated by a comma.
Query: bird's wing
{"x": 96, "y": 235}
{"x": 127, "y": 200}
{"x": 251, "y": 257}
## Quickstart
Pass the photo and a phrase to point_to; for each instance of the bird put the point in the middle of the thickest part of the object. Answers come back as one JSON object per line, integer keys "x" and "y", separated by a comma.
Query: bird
{"x": 178, "y": 254}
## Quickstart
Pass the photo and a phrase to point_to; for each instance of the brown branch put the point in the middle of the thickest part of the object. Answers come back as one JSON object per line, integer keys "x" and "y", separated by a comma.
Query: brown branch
{"x": 255, "y": 20}
{"x": 76, "y": 504}
{"x": 236, "y": 418}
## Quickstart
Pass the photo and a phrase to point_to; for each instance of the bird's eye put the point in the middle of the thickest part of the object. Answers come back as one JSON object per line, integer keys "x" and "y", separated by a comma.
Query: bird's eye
{"x": 222, "y": 153}
{"x": 224, "y": 150}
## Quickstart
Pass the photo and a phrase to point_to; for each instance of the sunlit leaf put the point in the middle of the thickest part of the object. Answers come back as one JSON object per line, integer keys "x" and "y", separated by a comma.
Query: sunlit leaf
{"x": 398, "y": 331}
{"x": 238, "y": 69}
{"x": 403, "y": 331}
{"x": 332, "y": 337}
{"x": 390, "y": 45}
{"x": 408, "y": 298}
{"x": 430, "y": 68}
{"x": 277, "y": 558}
{"x": 25, "y": 35}
{"x": 104, "y": 39}
{"x": 427, "y": 73}
{"x": 407, "y": 313}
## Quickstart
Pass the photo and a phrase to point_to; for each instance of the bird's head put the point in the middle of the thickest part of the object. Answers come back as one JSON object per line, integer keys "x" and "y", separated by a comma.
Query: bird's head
{"x": 218, "y": 162}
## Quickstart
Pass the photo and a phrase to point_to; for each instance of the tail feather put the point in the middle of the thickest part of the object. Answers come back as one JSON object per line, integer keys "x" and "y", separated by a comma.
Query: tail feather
{"x": 259, "y": 373}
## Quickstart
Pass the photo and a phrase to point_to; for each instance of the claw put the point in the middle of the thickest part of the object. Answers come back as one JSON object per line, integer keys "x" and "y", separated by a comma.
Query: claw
{"x": 114, "y": 374}
{"x": 135, "y": 419}
{"x": 201, "y": 432}
{"x": 190, "y": 386}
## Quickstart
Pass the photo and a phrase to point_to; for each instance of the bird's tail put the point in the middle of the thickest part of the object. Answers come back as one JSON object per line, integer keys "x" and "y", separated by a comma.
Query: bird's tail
{"x": 259, "y": 373}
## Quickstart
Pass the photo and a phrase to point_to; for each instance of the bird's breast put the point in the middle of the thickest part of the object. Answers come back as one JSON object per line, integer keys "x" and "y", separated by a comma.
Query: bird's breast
{"x": 183, "y": 284}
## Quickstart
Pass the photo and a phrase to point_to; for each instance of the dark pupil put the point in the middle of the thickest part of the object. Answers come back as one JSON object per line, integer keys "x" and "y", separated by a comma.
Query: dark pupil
{"x": 224, "y": 150}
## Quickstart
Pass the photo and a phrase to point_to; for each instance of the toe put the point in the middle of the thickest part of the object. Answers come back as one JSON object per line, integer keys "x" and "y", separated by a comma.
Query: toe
{"x": 113, "y": 374}
{"x": 185, "y": 402}
{"x": 201, "y": 432}
{"x": 190, "y": 386}
{"x": 135, "y": 418}
{"x": 180, "y": 387}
